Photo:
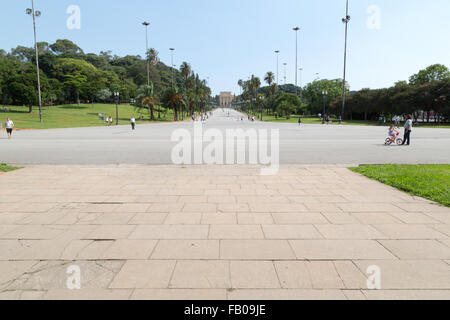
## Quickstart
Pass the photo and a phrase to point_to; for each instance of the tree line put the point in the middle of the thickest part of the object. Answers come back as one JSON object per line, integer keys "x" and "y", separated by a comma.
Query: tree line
{"x": 68, "y": 75}
{"x": 425, "y": 96}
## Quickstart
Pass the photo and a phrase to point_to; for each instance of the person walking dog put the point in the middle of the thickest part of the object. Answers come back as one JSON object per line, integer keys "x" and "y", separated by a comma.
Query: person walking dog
{"x": 408, "y": 130}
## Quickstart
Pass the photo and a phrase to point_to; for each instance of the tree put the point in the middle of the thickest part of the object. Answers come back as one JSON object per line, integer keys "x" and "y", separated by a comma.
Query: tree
{"x": 104, "y": 95}
{"x": 172, "y": 99}
{"x": 23, "y": 53}
{"x": 147, "y": 99}
{"x": 153, "y": 56}
{"x": 314, "y": 97}
{"x": 435, "y": 72}
{"x": 22, "y": 88}
{"x": 75, "y": 82}
{"x": 286, "y": 104}
{"x": 66, "y": 47}
{"x": 186, "y": 74}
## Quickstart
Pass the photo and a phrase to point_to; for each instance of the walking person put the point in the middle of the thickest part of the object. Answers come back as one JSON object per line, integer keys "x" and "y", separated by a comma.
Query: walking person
{"x": 133, "y": 123}
{"x": 408, "y": 130}
{"x": 9, "y": 127}
{"x": 300, "y": 121}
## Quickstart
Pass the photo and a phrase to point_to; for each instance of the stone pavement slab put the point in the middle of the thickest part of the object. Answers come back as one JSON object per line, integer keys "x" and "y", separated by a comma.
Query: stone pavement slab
{"x": 217, "y": 232}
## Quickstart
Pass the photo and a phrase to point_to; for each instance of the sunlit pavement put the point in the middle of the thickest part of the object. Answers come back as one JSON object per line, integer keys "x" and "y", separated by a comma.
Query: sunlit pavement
{"x": 151, "y": 144}
{"x": 166, "y": 232}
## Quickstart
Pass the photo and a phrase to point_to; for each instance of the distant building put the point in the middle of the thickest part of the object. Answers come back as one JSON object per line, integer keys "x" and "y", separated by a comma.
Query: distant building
{"x": 226, "y": 99}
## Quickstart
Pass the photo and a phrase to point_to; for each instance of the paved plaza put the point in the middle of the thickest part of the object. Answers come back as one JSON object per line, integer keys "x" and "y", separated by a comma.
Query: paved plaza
{"x": 151, "y": 144}
{"x": 166, "y": 232}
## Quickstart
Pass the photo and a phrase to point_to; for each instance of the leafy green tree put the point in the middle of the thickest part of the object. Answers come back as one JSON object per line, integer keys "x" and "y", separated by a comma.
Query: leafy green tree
{"x": 314, "y": 97}
{"x": 22, "y": 88}
{"x": 435, "y": 72}
{"x": 286, "y": 104}
{"x": 23, "y": 53}
{"x": 66, "y": 47}
{"x": 104, "y": 95}
{"x": 75, "y": 83}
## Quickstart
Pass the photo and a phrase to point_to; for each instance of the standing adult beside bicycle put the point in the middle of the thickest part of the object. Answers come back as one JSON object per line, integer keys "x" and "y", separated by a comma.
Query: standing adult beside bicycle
{"x": 408, "y": 130}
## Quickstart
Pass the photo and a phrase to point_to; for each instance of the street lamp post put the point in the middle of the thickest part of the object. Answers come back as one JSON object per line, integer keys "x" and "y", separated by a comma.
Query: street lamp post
{"x": 324, "y": 95}
{"x": 296, "y": 29}
{"x": 345, "y": 20}
{"x": 285, "y": 78}
{"x": 301, "y": 82}
{"x": 146, "y": 24}
{"x": 117, "y": 96}
{"x": 35, "y": 14}
{"x": 173, "y": 70}
{"x": 278, "y": 74}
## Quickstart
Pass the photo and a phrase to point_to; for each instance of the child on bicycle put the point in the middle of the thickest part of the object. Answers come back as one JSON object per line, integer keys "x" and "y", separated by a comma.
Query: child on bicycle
{"x": 393, "y": 133}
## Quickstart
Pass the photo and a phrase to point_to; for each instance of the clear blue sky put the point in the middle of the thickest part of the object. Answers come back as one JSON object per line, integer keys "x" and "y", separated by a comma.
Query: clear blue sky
{"x": 226, "y": 40}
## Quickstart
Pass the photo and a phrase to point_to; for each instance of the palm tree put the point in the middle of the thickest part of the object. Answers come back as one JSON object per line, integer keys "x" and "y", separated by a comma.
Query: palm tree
{"x": 147, "y": 98}
{"x": 255, "y": 84}
{"x": 269, "y": 78}
{"x": 271, "y": 90}
{"x": 186, "y": 72}
{"x": 173, "y": 100}
{"x": 153, "y": 56}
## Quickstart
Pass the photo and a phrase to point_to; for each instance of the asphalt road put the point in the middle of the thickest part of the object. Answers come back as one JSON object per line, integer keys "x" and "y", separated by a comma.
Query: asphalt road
{"x": 151, "y": 144}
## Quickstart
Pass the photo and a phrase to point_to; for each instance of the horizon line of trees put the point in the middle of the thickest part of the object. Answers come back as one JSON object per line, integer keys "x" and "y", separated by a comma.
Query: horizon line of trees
{"x": 68, "y": 75}
{"x": 425, "y": 96}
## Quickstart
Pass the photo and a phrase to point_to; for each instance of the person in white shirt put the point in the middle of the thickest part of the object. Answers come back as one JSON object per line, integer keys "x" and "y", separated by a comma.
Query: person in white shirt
{"x": 133, "y": 122}
{"x": 9, "y": 127}
{"x": 408, "y": 130}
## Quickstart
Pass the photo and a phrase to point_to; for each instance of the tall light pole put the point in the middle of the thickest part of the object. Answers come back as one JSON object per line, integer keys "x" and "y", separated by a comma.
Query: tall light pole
{"x": 296, "y": 29}
{"x": 173, "y": 70}
{"x": 146, "y": 24}
{"x": 278, "y": 74}
{"x": 345, "y": 20}
{"x": 324, "y": 95}
{"x": 35, "y": 14}
{"x": 301, "y": 82}
{"x": 116, "y": 97}
{"x": 285, "y": 64}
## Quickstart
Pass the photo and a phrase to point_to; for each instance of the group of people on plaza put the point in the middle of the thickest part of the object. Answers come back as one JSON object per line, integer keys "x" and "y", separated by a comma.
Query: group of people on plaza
{"x": 109, "y": 121}
{"x": 201, "y": 116}
{"x": 393, "y": 133}
{"x": 327, "y": 119}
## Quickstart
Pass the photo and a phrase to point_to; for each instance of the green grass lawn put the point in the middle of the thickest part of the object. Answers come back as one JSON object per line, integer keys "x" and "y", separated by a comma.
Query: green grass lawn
{"x": 71, "y": 116}
{"x": 428, "y": 181}
{"x": 6, "y": 168}
{"x": 315, "y": 120}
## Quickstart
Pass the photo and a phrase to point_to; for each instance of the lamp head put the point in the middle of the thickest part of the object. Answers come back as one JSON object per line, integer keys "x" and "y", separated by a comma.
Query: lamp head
{"x": 29, "y": 11}
{"x": 145, "y": 23}
{"x": 296, "y": 29}
{"x": 37, "y": 13}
